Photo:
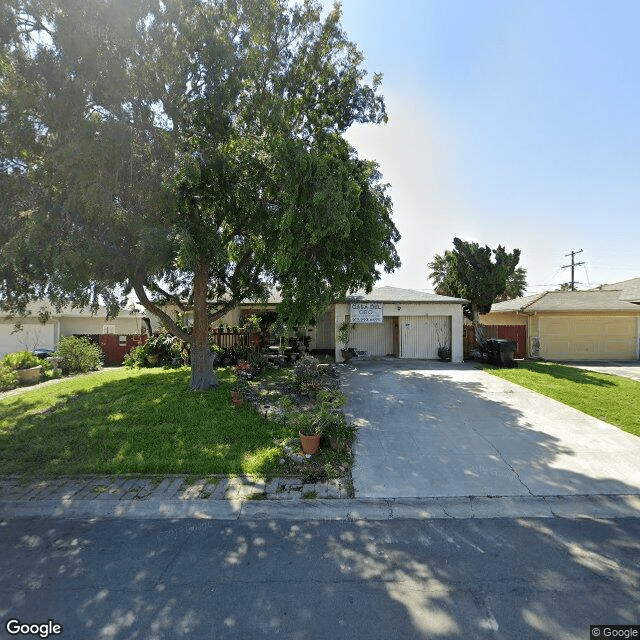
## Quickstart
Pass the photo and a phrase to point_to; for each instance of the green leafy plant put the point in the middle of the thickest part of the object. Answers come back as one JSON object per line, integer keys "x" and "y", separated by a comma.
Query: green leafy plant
{"x": 307, "y": 375}
{"x": 78, "y": 355}
{"x": 8, "y": 378}
{"x": 242, "y": 386}
{"x": 20, "y": 360}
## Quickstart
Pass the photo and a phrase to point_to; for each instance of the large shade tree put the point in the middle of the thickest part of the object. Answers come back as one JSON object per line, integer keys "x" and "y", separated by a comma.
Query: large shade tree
{"x": 189, "y": 151}
{"x": 478, "y": 274}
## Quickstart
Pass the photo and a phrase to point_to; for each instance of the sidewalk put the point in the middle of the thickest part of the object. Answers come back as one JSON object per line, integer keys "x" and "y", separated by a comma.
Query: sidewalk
{"x": 281, "y": 498}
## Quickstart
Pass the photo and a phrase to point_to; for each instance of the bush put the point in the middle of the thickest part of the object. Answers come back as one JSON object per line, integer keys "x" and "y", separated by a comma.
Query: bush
{"x": 307, "y": 375}
{"x": 78, "y": 355}
{"x": 20, "y": 360}
{"x": 8, "y": 378}
{"x": 137, "y": 357}
{"x": 159, "y": 350}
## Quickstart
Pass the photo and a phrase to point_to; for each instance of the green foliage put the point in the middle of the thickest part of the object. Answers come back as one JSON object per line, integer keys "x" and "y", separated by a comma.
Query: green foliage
{"x": 20, "y": 360}
{"x": 307, "y": 375}
{"x": 473, "y": 273}
{"x": 137, "y": 357}
{"x": 8, "y": 378}
{"x": 191, "y": 156}
{"x": 160, "y": 350}
{"x": 78, "y": 355}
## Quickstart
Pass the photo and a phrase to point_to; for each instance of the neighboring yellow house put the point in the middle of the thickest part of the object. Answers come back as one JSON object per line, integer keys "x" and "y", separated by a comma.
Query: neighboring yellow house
{"x": 599, "y": 324}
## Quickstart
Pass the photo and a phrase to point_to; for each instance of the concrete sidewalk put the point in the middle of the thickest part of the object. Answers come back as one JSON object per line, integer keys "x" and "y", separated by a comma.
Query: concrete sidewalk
{"x": 288, "y": 499}
{"x": 450, "y": 430}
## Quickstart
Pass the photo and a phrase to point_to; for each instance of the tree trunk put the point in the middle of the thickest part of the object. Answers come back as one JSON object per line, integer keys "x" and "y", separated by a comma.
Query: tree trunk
{"x": 202, "y": 376}
{"x": 478, "y": 326}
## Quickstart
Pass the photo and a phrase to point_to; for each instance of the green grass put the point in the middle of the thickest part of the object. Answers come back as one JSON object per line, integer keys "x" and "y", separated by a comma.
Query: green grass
{"x": 614, "y": 399}
{"x": 144, "y": 421}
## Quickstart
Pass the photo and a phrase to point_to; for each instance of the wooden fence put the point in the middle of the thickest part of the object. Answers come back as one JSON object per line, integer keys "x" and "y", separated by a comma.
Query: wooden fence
{"x": 516, "y": 332}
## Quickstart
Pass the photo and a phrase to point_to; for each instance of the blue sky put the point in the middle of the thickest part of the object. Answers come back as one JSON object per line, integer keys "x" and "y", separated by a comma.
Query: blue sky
{"x": 511, "y": 122}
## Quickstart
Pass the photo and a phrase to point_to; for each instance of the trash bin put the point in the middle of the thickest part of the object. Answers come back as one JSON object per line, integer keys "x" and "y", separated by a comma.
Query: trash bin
{"x": 501, "y": 352}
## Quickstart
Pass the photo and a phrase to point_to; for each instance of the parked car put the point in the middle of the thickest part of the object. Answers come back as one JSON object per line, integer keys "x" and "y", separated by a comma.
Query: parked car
{"x": 43, "y": 353}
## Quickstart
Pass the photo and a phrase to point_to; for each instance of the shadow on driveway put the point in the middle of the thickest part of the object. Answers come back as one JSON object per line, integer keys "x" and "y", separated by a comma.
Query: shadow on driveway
{"x": 429, "y": 429}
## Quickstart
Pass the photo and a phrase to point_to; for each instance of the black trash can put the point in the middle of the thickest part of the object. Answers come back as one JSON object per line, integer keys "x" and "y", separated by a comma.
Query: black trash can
{"x": 501, "y": 352}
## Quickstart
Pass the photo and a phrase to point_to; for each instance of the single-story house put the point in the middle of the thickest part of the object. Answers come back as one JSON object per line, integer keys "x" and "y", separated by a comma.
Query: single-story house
{"x": 388, "y": 321}
{"x": 38, "y": 331}
{"x": 597, "y": 324}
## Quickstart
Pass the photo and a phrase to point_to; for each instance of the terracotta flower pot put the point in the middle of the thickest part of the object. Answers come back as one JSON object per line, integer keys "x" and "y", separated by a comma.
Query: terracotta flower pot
{"x": 310, "y": 444}
{"x": 236, "y": 398}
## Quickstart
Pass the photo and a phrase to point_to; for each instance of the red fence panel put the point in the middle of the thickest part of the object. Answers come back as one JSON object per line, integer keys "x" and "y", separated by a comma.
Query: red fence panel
{"x": 116, "y": 347}
{"x": 515, "y": 332}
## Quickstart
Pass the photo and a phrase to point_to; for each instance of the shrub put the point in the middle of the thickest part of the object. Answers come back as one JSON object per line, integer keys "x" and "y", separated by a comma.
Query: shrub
{"x": 78, "y": 355}
{"x": 307, "y": 375}
{"x": 159, "y": 350}
{"x": 20, "y": 360}
{"x": 166, "y": 348}
{"x": 8, "y": 378}
{"x": 137, "y": 357}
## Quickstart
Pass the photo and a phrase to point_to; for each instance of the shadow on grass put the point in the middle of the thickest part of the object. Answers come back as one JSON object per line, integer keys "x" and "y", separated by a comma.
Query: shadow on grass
{"x": 561, "y": 372}
{"x": 149, "y": 422}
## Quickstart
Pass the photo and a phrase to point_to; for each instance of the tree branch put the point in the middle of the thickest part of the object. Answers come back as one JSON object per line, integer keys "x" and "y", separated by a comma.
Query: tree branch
{"x": 165, "y": 318}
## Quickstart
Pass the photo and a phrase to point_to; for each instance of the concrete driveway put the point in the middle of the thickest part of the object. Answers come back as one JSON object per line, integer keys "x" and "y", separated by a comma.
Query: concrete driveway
{"x": 430, "y": 429}
{"x": 626, "y": 369}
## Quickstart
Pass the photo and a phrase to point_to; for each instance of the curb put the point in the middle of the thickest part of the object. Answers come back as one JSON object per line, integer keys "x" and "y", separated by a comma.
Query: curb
{"x": 350, "y": 510}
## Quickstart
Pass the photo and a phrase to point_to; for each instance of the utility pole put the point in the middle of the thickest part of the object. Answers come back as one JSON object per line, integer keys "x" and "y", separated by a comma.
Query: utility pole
{"x": 573, "y": 266}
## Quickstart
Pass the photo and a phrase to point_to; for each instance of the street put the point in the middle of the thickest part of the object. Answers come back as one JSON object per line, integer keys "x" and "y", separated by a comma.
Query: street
{"x": 499, "y": 578}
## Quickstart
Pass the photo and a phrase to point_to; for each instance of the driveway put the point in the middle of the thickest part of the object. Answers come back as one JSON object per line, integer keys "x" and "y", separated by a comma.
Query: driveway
{"x": 626, "y": 369}
{"x": 431, "y": 429}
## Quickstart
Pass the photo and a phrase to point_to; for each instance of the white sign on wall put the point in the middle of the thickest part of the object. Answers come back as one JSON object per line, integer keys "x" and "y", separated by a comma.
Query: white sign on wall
{"x": 366, "y": 312}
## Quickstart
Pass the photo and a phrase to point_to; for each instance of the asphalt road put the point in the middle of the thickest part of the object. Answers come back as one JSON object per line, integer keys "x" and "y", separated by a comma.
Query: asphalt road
{"x": 511, "y": 579}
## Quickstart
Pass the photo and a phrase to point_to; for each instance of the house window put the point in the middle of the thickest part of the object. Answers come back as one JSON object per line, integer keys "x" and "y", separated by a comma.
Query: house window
{"x": 122, "y": 341}
{"x": 108, "y": 328}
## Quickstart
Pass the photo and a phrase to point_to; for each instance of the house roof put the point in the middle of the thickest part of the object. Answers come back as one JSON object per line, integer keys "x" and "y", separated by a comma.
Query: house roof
{"x": 395, "y": 294}
{"x": 629, "y": 289}
{"x": 35, "y": 308}
{"x": 592, "y": 300}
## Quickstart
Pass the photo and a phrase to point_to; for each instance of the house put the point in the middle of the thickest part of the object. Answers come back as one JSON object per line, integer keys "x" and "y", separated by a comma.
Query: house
{"x": 597, "y": 324}
{"x": 388, "y": 321}
{"x": 43, "y": 327}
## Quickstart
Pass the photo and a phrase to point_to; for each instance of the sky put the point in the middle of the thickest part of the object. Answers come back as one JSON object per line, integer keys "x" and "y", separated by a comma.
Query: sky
{"x": 512, "y": 122}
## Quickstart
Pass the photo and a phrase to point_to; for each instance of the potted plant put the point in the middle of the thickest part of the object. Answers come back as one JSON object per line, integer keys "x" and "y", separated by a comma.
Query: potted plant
{"x": 310, "y": 431}
{"x": 26, "y": 366}
{"x": 240, "y": 391}
{"x": 344, "y": 335}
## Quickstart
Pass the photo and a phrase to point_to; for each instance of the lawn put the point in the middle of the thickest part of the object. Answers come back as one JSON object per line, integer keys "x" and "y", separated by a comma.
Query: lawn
{"x": 613, "y": 399}
{"x": 143, "y": 421}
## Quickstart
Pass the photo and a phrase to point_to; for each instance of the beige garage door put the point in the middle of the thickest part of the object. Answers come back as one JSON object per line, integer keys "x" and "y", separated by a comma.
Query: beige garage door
{"x": 420, "y": 336}
{"x": 589, "y": 338}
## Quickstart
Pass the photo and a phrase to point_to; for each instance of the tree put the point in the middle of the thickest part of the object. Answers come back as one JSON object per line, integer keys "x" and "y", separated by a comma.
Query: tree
{"x": 478, "y": 274}
{"x": 190, "y": 151}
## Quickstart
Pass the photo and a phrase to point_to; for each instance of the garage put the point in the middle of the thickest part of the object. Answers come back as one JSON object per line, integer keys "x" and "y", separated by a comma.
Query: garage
{"x": 598, "y": 324}
{"x": 28, "y": 338}
{"x": 588, "y": 338}
{"x": 421, "y": 337}
{"x": 404, "y": 323}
